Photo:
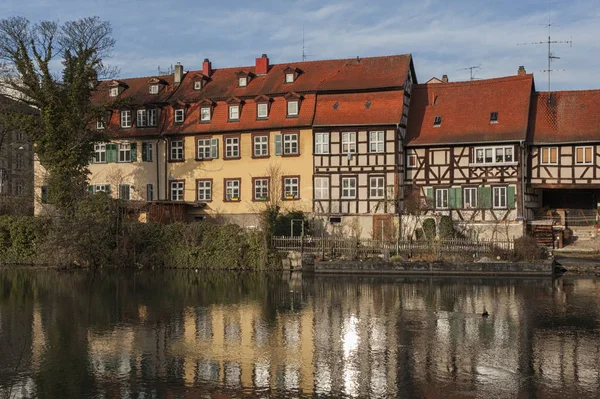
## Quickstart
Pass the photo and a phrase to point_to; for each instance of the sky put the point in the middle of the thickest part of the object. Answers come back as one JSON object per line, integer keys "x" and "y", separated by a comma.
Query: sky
{"x": 444, "y": 36}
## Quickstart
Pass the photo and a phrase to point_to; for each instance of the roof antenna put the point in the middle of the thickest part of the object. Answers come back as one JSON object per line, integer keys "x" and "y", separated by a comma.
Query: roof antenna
{"x": 471, "y": 68}
{"x": 304, "y": 55}
{"x": 550, "y": 42}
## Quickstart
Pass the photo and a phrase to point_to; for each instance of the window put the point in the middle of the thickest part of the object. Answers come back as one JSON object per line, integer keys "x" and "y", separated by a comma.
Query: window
{"x": 152, "y": 116}
{"x": 147, "y": 151}
{"x": 124, "y": 152}
{"x": 321, "y": 143}
{"x": 197, "y": 85}
{"x": 437, "y": 121}
{"x": 292, "y": 108}
{"x": 20, "y": 136}
{"x": 262, "y": 110}
{"x": 205, "y": 114}
{"x": 232, "y": 147}
{"x": 124, "y": 191}
{"x": 142, "y": 118}
{"x": 204, "y": 190}
{"x": 176, "y": 150}
{"x": 179, "y": 115}
{"x": 234, "y": 112}
{"x": 153, "y": 89}
{"x": 470, "y": 194}
{"x": 348, "y": 187}
{"x": 177, "y": 190}
{"x": 242, "y": 82}
{"x": 321, "y": 188}
{"x": 290, "y": 187}
{"x": 100, "y": 124}
{"x": 289, "y": 78}
{"x": 126, "y": 118}
{"x": 114, "y": 91}
{"x": 411, "y": 161}
{"x": 290, "y": 144}
{"x": 376, "y": 141}
{"x": 261, "y": 146}
{"x": 19, "y": 188}
{"x": 492, "y": 155}
{"x": 99, "y": 153}
{"x": 348, "y": 142}
{"x": 377, "y": 187}
{"x": 499, "y": 197}
{"x": 98, "y": 188}
{"x": 494, "y": 117}
{"x": 204, "y": 150}
{"x": 150, "y": 192}
{"x": 583, "y": 155}
{"x": 232, "y": 189}
{"x": 441, "y": 198}
{"x": 261, "y": 189}
{"x": 19, "y": 160}
{"x": 549, "y": 155}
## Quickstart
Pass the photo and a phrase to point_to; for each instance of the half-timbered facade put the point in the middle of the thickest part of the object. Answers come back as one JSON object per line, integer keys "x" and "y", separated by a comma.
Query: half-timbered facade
{"x": 465, "y": 150}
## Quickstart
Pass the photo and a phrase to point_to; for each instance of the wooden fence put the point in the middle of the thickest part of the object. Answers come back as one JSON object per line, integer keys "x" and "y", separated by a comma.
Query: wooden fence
{"x": 333, "y": 247}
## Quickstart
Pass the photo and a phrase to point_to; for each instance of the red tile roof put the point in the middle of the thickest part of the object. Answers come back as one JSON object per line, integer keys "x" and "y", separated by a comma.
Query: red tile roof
{"x": 136, "y": 91}
{"x": 565, "y": 117}
{"x": 375, "y": 108}
{"x": 465, "y": 108}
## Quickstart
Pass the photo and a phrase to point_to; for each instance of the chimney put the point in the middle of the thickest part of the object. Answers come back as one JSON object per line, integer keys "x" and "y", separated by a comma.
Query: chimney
{"x": 445, "y": 79}
{"x": 262, "y": 65}
{"x": 522, "y": 71}
{"x": 206, "y": 68}
{"x": 178, "y": 74}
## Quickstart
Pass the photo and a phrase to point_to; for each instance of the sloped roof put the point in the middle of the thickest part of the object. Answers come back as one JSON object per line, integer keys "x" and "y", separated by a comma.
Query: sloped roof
{"x": 375, "y": 108}
{"x": 465, "y": 109}
{"x": 565, "y": 117}
{"x": 136, "y": 90}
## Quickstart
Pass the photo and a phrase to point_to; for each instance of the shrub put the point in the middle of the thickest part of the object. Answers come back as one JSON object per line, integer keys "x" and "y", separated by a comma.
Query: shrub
{"x": 429, "y": 228}
{"x": 527, "y": 249}
{"x": 446, "y": 228}
{"x": 419, "y": 235}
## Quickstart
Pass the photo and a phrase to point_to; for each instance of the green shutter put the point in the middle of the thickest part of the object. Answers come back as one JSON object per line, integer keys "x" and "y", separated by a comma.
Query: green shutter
{"x": 111, "y": 153}
{"x": 511, "y": 197}
{"x": 133, "y": 152}
{"x": 214, "y": 148}
{"x": 144, "y": 151}
{"x": 278, "y": 144}
{"x": 108, "y": 189}
{"x": 454, "y": 198}
{"x": 429, "y": 193}
{"x": 458, "y": 196}
{"x": 484, "y": 197}
{"x": 90, "y": 191}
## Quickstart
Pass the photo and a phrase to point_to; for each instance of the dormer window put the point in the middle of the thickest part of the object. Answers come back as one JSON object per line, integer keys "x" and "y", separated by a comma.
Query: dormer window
{"x": 494, "y": 117}
{"x": 179, "y": 115}
{"x": 114, "y": 91}
{"x": 234, "y": 112}
{"x": 437, "y": 121}
{"x": 242, "y": 81}
{"x": 290, "y": 74}
{"x": 262, "y": 110}
{"x": 197, "y": 85}
{"x": 154, "y": 89}
{"x": 205, "y": 114}
{"x": 100, "y": 124}
{"x": 289, "y": 78}
{"x": 292, "y": 108}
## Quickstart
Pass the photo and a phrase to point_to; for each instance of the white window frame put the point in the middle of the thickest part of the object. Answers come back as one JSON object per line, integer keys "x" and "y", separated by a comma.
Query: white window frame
{"x": 176, "y": 150}
{"x": 470, "y": 197}
{"x": 113, "y": 92}
{"x": 243, "y": 81}
{"x": 290, "y": 144}
{"x": 124, "y": 152}
{"x": 232, "y": 147}
{"x": 441, "y": 198}
{"x": 493, "y": 152}
{"x": 292, "y": 108}
{"x": 377, "y": 141}
{"x": 409, "y": 164}
{"x": 348, "y": 142}
{"x": 289, "y": 77}
{"x": 97, "y": 188}
{"x": 204, "y": 188}
{"x": 177, "y": 188}
{"x": 197, "y": 85}
{"x": 348, "y": 187}
{"x": 154, "y": 89}
{"x": 234, "y": 110}
{"x": 291, "y": 187}
{"x": 205, "y": 114}
{"x": 377, "y": 187}
{"x": 321, "y": 188}
{"x": 548, "y": 151}
{"x": 322, "y": 143}
{"x": 99, "y": 153}
{"x": 203, "y": 149}
{"x": 584, "y": 161}
{"x": 142, "y": 118}
{"x": 260, "y": 146}
{"x": 260, "y": 191}
{"x": 502, "y": 197}
{"x": 179, "y": 115}
{"x": 152, "y": 116}
{"x": 232, "y": 190}
{"x": 126, "y": 118}
{"x": 262, "y": 110}
{"x": 100, "y": 124}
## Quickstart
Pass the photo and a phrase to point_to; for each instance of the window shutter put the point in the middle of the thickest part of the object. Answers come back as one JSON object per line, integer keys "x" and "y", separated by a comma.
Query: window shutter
{"x": 484, "y": 197}
{"x": 111, "y": 153}
{"x": 144, "y": 151}
{"x": 133, "y": 152}
{"x": 278, "y": 144}
{"x": 458, "y": 197}
{"x": 429, "y": 193}
{"x": 108, "y": 189}
{"x": 90, "y": 191}
{"x": 510, "y": 197}
{"x": 214, "y": 148}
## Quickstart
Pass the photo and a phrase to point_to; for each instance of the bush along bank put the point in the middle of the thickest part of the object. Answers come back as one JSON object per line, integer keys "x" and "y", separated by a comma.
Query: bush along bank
{"x": 99, "y": 235}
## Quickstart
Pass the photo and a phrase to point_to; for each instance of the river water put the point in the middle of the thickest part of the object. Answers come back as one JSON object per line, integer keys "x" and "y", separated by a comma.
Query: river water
{"x": 186, "y": 335}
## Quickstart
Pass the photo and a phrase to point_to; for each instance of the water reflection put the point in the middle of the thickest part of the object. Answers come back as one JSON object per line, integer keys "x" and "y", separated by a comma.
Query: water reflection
{"x": 181, "y": 334}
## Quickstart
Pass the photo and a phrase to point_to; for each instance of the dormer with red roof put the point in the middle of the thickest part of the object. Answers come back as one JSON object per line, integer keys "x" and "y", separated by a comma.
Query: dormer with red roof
{"x": 115, "y": 88}
{"x": 155, "y": 85}
{"x": 243, "y": 78}
{"x": 235, "y": 109}
{"x": 293, "y": 104}
{"x": 263, "y": 105}
{"x": 290, "y": 74}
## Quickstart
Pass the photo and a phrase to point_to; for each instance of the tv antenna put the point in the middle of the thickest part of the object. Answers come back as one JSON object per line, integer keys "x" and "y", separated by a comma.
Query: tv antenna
{"x": 471, "y": 68}
{"x": 304, "y": 55}
{"x": 551, "y": 56}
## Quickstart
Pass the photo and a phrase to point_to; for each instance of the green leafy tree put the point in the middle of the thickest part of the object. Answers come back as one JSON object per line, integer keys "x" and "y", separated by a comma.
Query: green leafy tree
{"x": 63, "y": 134}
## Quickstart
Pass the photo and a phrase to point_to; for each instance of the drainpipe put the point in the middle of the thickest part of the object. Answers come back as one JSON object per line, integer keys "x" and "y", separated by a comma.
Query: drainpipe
{"x": 157, "y": 171}
{"x": 399, "y": 150}
{"x": 523, "y": 184}
{"x": 166, "y": 153}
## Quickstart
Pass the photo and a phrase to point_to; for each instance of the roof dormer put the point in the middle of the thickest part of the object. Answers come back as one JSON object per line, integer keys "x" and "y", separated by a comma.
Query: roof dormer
{"x": 115, "y": 88}
{"x": 155, "y": 85}
{"x": 290, "y": 74}
{"x": 243, "y": 78}
{"x": 199, "y": 81}
{"x": 235, "y": 108}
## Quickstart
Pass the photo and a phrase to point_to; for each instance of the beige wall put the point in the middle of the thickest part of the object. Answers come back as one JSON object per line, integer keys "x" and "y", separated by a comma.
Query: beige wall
{"x": 565, "y": 171}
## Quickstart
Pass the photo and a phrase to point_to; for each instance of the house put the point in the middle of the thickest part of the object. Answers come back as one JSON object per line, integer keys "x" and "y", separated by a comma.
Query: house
{"x": 466, "y": 154}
